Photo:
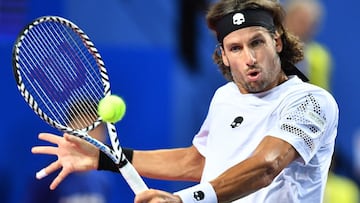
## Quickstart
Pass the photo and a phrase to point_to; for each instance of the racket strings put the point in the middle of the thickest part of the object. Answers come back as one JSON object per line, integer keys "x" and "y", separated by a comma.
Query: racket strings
{"x": 63, "y": 74}
{"x": 48, "y": 81}
{"x": 84, "y": 112}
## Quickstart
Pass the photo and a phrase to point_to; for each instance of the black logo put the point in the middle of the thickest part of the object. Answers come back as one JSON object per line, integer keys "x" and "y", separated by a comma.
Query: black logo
{"x": 199, "y": 195}
{"x": 237, "y": 121}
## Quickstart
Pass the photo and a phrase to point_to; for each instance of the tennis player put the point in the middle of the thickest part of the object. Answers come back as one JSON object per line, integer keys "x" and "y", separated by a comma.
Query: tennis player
{"x": 268, "y": 136}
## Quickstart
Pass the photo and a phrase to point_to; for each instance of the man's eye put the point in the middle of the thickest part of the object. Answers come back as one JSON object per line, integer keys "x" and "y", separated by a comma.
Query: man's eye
{"x": 235, "y": 48}
{"x": 257, "y": 42}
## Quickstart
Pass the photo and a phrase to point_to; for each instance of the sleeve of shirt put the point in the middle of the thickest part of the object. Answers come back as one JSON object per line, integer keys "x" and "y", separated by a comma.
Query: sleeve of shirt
{"x": 306, "y": 122}
{"x": 200, "y": 139}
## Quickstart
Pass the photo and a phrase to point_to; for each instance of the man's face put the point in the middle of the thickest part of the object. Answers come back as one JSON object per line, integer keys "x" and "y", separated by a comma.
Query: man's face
{"x": 252, "y": 54}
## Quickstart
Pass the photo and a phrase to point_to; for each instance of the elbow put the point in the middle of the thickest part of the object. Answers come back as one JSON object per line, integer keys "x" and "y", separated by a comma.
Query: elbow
{"x": 271, "y": 169}
{"x": 192, "y": 164}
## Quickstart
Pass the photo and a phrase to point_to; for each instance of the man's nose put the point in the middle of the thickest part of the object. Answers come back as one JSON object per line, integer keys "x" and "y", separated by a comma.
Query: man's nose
{"x": 249, "y": 57}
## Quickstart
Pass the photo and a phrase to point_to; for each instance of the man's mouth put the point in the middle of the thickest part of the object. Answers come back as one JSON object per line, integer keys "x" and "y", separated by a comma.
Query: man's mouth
{"x": 253, "y": 75}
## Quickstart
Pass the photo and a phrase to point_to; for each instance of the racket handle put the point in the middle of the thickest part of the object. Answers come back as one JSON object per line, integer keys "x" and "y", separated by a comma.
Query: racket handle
{"x": 133, "y": 178}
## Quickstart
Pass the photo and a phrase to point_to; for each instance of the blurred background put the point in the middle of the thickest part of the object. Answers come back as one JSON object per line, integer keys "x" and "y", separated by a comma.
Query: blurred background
{"x": 158, "y": 55}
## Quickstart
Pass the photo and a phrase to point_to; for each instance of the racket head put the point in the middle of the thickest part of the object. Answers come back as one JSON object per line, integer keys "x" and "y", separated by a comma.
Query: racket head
{"x": 60, "y": 73}
{"x": 62, "y": 77}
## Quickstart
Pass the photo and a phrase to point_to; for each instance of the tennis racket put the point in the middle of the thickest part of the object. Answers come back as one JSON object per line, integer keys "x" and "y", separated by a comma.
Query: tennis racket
{"x": 62, "y": 77}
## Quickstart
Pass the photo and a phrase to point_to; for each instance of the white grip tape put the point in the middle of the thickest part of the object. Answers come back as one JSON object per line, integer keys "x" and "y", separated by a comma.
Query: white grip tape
{"x": 133, "y": 178}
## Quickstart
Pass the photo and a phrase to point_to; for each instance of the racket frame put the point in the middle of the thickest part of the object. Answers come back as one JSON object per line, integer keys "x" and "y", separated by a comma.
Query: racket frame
{"x": 116, "y": 155}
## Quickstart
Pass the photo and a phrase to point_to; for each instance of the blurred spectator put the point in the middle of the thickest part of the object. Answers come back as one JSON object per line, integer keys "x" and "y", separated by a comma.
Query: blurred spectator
{"x": 303, "y": 19}
{"x": 340, "y": 188}
{"x": 188, "y": 31}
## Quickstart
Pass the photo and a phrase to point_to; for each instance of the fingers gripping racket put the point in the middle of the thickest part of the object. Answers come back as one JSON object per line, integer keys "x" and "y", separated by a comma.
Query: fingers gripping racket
{"x": 61, "y": 75}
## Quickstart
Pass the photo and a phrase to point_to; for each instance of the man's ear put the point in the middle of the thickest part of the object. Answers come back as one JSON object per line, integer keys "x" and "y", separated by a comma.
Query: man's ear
{"x": 278, "y": 42}
{"x": 224, "y": 58}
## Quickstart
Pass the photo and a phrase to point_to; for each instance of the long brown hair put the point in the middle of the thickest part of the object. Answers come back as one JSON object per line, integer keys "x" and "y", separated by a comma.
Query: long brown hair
{"x": 292, "y": 51}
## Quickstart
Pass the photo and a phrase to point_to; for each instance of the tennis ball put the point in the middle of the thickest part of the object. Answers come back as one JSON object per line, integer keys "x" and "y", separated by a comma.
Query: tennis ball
{"x": 111, "y": 108}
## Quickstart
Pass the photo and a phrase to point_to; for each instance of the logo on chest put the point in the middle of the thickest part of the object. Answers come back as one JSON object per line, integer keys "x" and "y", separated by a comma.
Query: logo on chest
{"x": 237, "y": 121}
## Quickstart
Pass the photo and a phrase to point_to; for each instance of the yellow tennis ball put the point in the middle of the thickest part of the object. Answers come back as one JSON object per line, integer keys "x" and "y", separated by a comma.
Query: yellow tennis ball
{"x": 111, "y": 108}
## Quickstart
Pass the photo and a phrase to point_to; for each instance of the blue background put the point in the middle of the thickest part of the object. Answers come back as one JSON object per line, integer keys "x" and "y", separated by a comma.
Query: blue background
{"x": 166, "y": 103}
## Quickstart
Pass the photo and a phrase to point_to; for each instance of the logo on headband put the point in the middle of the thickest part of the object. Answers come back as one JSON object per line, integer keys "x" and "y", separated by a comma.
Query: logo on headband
{"x": 238, "y": 18}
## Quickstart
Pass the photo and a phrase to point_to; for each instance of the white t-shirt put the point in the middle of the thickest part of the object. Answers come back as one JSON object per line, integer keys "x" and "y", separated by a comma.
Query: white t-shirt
{"x": 302, "y": 114}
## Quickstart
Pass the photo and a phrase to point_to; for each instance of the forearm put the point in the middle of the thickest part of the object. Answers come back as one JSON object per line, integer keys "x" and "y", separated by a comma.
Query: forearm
{"x": 270, "y": 157}
{"x": 242, "y": 180}
{"x": 236, "y": 182}
{"x": 169, "y": 164}
{"x": 256, "y": 172}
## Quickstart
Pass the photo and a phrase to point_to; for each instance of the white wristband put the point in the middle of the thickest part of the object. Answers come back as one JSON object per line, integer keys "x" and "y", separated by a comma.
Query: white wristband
{"x": 201, "y": 193}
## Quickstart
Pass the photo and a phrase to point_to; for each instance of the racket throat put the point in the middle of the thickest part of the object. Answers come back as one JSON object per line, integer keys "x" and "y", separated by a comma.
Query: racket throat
{"x": 123, "y": 161}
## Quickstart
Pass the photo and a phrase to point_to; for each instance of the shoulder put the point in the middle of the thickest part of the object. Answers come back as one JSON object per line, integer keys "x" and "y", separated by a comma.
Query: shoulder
{"x": 298, "y": 88}
{"x": 228, "y": 87}
{"x": 226, "y": 91}
{"x": 321, "y": 94}
{"x": 306, "y": 97}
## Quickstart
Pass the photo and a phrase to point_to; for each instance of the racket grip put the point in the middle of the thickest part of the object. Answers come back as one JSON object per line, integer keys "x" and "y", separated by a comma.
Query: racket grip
{"x": 133, "y": 178}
